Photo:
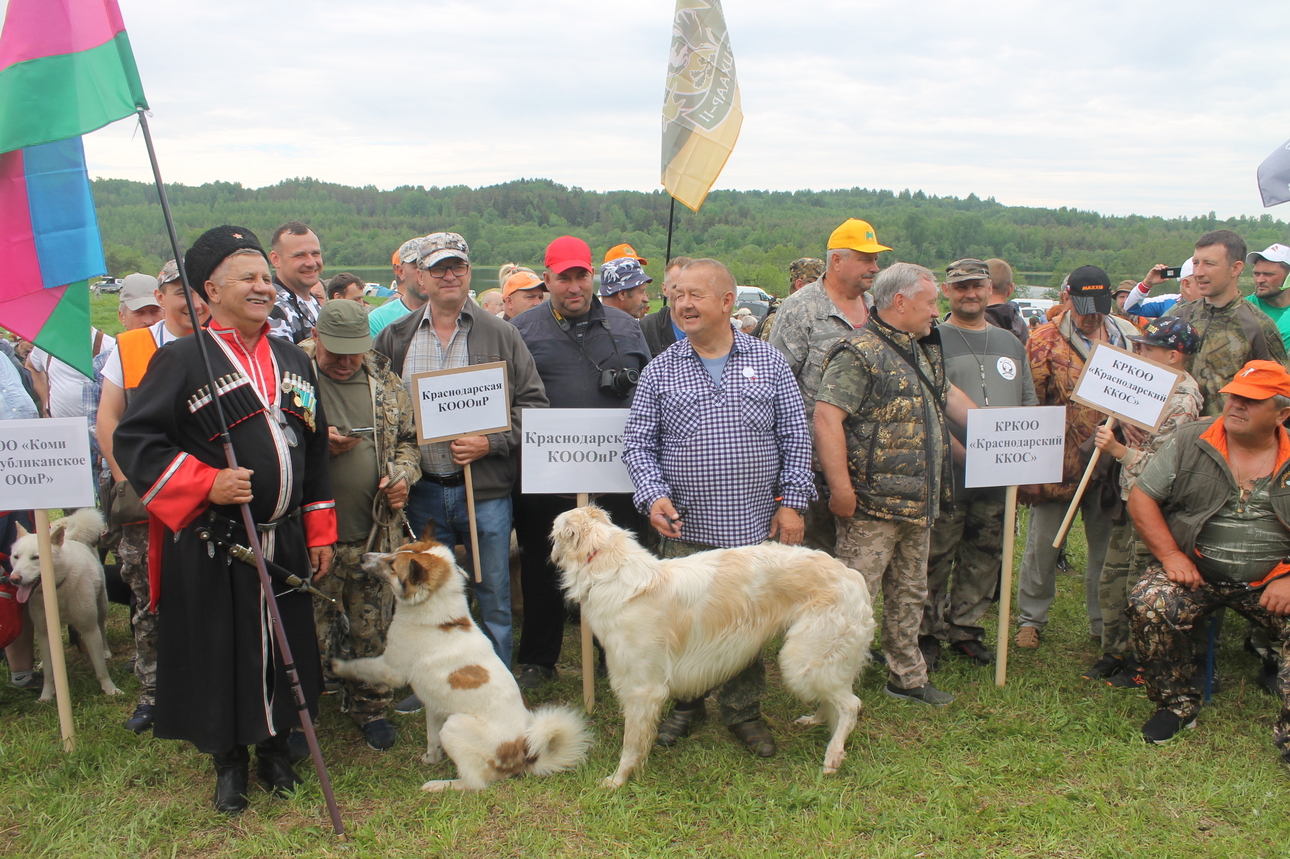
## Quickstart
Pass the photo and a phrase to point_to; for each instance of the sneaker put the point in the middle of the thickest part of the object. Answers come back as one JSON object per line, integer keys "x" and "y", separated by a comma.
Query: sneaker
{"x": 534, "y": 676}
{"x": 1164, "y": 726}
{"x": 926, "y": 694}
{"x": 380, "y": 734}
{"x": 410, "y": 704}
{"x": 1130, "y": 677}
{"x": 1027, "y": 637}
{"x": 930, "y": 646}
{"x": 141, "y": 720}
{"x": 974, "y": 650}
{"x": 1108, "y": 666}
{"x": 33, "y": 682}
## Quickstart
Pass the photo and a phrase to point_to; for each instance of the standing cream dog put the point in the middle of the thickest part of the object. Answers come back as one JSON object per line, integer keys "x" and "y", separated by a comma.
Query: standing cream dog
{"x": 678, "y": 628}
{"x": 474, "y": 709}
{"x": 82, "y": 592}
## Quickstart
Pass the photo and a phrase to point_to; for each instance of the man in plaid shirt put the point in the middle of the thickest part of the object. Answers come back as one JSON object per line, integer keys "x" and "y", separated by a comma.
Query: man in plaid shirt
{"x": 719, "y": 450}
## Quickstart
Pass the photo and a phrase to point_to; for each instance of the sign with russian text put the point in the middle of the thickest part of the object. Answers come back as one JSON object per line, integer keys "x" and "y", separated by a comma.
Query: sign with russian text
{"x": 45, "y": 464}
{"x": 1015, "y": 446}
{"x": 567, "y": 451}
{"x": 460, "y": 402}
{"x": 1128, "y": 386}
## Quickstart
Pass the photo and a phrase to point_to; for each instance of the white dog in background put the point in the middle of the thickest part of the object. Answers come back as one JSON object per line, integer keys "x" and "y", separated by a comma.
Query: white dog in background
{"x": 474, "y": 709}
{"x": 678, "y": 628}
{"x": 82, "y": 592}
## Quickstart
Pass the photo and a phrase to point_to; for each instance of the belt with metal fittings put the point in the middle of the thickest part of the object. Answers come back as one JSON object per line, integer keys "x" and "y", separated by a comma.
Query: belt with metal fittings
{"x": 457, "y": 478}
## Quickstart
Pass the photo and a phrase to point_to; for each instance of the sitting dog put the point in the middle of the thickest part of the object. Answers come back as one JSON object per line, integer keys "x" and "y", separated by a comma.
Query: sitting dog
{"x": 474, "y": 709}
{"x": 82, "y": 593}
{"x": 678, "y": 628}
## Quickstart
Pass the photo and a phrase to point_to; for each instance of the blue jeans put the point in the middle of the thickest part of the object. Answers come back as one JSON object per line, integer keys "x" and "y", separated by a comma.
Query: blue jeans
{"x": 446, "y": 505}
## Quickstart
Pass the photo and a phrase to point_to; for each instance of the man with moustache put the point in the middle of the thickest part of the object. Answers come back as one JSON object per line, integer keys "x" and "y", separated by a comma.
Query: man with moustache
{"x": 221, "y": 679}
{"x": 811, "y": 321}
{"x": 409, "y": 297}
{"x": 1270, "y": 294}
{"x": 296, "y": 256}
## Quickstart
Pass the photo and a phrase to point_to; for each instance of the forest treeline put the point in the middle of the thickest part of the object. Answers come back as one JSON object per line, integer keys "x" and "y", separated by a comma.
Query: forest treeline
{"x": 756, "y": 233}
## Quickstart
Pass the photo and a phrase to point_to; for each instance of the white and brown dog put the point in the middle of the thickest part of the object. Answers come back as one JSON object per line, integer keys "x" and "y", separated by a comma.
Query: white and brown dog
{"x": 474, "y": 709}
{"x": 678, "y": 628}
{"x": 82, "y": 591}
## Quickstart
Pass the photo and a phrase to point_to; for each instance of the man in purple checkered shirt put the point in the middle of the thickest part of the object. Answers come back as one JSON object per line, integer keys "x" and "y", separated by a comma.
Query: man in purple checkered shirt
{"x": 718, "y": 447}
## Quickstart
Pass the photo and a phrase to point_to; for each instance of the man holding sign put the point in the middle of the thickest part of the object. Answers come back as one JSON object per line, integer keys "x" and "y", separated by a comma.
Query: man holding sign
{"x": 451, "y": 332}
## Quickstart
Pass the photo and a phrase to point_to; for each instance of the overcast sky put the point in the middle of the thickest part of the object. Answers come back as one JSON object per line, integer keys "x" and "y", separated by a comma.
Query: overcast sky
{"x": 1162, "y": 108}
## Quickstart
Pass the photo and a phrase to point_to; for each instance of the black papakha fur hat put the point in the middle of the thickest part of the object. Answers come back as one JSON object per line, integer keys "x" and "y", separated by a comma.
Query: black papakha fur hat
{"x": 212, "y": 248}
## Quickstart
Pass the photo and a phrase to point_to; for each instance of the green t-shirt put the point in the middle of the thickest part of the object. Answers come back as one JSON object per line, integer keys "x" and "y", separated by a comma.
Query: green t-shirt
{"x": 355, "y": 473}
{"x": 1279, "y": 315}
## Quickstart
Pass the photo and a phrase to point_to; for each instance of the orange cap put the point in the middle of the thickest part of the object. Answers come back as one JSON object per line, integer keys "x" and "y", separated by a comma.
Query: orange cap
{"x": 521, "y": 280}
{"x": 621, "y": 251}
{"x": 1259, "y": 380}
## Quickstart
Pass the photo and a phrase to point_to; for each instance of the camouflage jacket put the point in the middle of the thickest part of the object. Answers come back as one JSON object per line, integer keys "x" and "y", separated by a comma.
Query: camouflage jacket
{"x": 1230, "y": 336}
{"x": 1183, "y": 407}
{"x": 1057, "y": 356}
{"x": 897, "y": 441}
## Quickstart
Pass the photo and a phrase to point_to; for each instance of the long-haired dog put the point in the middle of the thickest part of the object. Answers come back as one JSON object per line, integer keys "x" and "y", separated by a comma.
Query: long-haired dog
{"x": 474, "y": 709}
{"x": 82, "y": 592}
{"x": 678, "y": 628}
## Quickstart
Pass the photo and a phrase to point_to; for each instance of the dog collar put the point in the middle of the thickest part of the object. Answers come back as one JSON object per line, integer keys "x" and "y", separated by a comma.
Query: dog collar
{"x": 592, "y": 555}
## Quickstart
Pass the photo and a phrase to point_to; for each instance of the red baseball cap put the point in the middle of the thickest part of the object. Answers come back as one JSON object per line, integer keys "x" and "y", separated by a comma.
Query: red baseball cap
{"x": 568, "y": 252}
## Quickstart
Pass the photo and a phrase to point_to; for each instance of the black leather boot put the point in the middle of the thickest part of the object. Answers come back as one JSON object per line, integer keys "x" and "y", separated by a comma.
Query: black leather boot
{"x": 273, "y": 765}
{"x": 230, "y": 779}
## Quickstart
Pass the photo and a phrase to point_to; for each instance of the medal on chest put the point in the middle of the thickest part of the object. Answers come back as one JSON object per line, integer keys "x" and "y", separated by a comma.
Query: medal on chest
{"x": 300, "y": 394}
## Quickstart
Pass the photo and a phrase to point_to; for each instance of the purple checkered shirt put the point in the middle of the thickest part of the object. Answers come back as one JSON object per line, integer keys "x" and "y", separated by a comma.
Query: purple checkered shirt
{"x": 727, "y": 457}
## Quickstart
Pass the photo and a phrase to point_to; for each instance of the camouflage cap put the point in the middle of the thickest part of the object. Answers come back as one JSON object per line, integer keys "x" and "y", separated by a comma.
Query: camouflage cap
{"x": 409, "y": 251}
{"x": 966, "y": 269}
{"x": 437, "y": 247}
{"x": 169, "y": 272}
{"x": 806, "y": 268}
{"x": 1170, "y": 332}
{"x": 621, "y": 274}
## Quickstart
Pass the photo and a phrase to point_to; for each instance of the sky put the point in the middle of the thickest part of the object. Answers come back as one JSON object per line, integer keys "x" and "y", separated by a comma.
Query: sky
{"x": 1155, "y": 108}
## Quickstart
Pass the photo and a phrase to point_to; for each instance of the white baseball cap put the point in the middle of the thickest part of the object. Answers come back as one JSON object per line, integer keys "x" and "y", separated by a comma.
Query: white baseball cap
{"x": 1188, "y": 269}
{"x": 1273, "y": 253}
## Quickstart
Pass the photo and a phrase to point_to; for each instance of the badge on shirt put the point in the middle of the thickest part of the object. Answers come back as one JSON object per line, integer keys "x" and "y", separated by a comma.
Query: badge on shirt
{"x": 1007, "y": 368}
{"x": 302, "y": 396}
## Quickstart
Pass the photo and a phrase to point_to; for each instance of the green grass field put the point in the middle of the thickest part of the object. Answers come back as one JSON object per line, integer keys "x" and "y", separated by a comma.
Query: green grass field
{"x": 1049, "y": 766}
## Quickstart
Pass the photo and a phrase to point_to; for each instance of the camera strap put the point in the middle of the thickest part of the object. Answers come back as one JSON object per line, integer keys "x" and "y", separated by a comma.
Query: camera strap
{"x": 560, "y": 322}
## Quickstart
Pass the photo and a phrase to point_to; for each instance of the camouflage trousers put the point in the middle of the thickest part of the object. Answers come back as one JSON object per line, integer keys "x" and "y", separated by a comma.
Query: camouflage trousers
{"x": 1164, "y": 615}
{"x": 132, "y": 552}
{"x": 368, "y": 604}
{"x": 739, "y": 698}
{"x": 1127, "y": 558}
{"x": 892, "y": 557}
{"x": 821, "y": 524}
{"x": 967, "y": 540}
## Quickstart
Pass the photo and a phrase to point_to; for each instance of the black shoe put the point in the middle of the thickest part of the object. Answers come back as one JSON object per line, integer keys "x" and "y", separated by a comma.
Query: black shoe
{"x": 231, "y": 780}
{"x": 925, "y": 694}
{"x": 1108, "y": 666}
{"x": 273, "y": 764}
{"x": 930, "y": 646}
{"x": 756, "y": 737}
{"x": 141, "y": 720}
{"x": 974, "y": 650}
{"x": 297, "y": 746}
{"x": 1164, "y": 726}
{"x": 380, "y": 734}
{"x": 877, "y": 656}
{"x": 410, "y": 704}
{"x": 534, "y": 676}
{"x": 1268, "y": 678}
{"x": 1131, "y": 676}
{"x": 679, "y": 724}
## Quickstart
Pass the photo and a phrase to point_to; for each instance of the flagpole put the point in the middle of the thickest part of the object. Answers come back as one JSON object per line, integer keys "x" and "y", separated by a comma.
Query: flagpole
{"x": 252, "y": 535}
{"x": 671, "y": 216}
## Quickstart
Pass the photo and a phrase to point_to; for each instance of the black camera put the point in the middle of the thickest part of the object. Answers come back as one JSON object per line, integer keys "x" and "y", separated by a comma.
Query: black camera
{"x": 619, "y": 383}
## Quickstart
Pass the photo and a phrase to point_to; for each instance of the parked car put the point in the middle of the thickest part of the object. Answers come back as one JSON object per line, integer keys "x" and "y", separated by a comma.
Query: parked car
{"x": 108, "y": 284}
{"x": 755, "y": 299}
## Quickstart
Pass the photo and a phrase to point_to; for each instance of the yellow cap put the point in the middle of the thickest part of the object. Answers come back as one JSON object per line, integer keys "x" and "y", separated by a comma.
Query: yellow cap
{"x": 856, "y": 235}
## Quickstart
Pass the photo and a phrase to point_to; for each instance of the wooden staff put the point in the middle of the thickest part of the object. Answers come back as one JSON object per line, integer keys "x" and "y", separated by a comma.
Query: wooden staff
{"x": 54, "y": 632}
{"x": 1005, "y": 586}
{"x": 1079, "y": 493}
{"x": 474, "y": 529}
{"x": 588, "y": 656}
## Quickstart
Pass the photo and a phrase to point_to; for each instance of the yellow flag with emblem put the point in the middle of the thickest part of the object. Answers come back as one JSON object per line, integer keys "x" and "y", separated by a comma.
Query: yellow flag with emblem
{"x": 701, "y": 112}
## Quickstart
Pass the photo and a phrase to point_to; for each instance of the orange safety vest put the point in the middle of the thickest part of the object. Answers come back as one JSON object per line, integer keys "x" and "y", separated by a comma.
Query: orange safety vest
{"x": 136, "y": 349}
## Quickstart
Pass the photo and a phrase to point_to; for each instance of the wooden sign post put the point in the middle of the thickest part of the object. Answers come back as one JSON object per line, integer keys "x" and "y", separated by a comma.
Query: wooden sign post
{"x": 465, "y": 401}
{"x": 1129, "y": 388}
{"x": 1007, "y": 447}
{"x": 576, "y": 452}
{"x": 45, "y": 465}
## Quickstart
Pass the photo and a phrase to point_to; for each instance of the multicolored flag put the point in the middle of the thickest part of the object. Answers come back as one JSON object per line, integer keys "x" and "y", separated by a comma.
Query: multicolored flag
{"x": 66, "y": 69}
{"x": 701, "y": 112}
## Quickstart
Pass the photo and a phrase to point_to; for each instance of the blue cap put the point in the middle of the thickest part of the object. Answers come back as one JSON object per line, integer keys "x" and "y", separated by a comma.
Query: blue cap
{"x": 618, "y": 275}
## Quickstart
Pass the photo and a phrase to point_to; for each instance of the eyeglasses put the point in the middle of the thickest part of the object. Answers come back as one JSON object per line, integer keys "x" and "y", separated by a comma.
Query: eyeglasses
{"x": 458, "y": 268}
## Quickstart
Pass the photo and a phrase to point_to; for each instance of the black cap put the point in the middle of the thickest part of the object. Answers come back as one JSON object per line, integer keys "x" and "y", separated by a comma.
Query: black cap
{"x": 1090, "y": 290}
{"x": 212, "y": 248}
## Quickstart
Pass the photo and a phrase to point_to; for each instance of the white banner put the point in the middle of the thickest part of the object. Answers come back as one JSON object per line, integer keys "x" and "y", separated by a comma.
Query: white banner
{"x": 1128, "y": 386}
{"x": 1015, "y": 446}
{"x": 466, "y": 401}
{"x": 45, "y": 464}
{"x": 567, "y": 451}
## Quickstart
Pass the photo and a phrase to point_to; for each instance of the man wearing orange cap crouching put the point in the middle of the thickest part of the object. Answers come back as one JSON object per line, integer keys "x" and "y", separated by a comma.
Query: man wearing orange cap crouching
{"x": 1214, "y": 509}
